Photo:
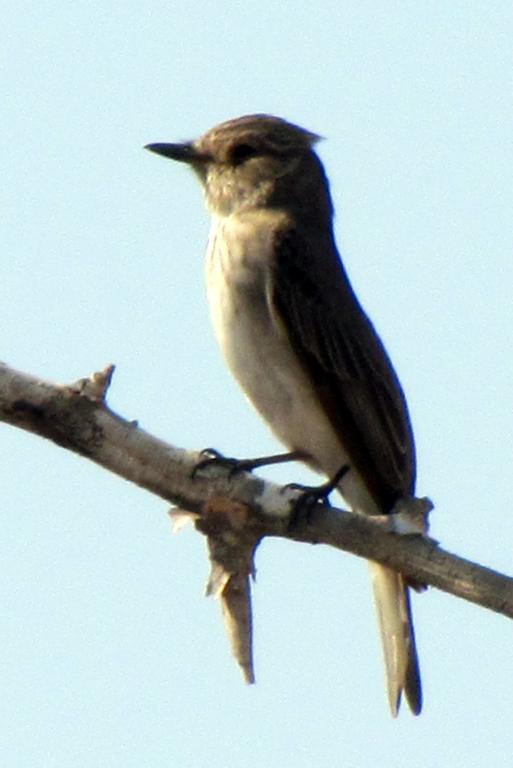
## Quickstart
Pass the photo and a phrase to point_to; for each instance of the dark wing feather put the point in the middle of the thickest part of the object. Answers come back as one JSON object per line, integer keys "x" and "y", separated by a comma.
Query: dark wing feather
{"x": 342, "y": 353}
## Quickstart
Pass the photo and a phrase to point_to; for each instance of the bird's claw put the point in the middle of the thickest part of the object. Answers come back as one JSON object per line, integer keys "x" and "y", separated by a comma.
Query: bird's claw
{"x": 311, "y": 497}
{"x": 212, "y": 457}
{"x": 304, "y": 505}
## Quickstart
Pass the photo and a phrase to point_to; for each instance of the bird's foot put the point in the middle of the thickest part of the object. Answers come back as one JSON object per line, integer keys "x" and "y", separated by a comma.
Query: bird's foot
{"x": 312, "y": 496}
{"x": 211, "y": 457}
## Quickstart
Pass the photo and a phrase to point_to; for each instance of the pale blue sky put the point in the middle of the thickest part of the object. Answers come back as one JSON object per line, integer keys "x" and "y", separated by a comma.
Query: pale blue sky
{"x": 110, "y": 656}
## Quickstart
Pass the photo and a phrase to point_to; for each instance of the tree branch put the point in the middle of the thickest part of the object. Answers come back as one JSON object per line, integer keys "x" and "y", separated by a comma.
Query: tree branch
{"x": 234, "y": 512}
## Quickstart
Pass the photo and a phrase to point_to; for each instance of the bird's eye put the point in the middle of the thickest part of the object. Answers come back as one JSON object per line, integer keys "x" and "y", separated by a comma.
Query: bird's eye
{"x": 242, "y": 152}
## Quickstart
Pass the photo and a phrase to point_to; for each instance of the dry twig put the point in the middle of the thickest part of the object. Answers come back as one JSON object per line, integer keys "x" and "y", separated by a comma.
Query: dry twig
{"x": 235, "y": 513}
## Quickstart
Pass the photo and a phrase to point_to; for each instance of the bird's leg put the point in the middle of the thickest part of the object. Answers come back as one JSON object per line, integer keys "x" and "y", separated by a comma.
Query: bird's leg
{"x": 312, "y": 495}
{"x": 211, "y": 457}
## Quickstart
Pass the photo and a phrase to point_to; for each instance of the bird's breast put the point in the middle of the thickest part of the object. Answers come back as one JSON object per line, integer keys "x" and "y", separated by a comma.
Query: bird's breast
{"x": 239, "y": 280}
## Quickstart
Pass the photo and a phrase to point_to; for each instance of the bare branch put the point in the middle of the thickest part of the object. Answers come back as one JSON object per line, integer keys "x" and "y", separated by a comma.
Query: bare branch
{"x": 77, "y": 418}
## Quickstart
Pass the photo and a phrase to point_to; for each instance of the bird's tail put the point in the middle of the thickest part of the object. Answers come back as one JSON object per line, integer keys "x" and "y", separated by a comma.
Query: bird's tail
{"x": 392, "y": 600}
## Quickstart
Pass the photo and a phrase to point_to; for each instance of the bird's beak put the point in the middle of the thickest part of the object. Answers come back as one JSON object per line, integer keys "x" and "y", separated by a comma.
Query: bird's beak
{"x": 184, "y": 153}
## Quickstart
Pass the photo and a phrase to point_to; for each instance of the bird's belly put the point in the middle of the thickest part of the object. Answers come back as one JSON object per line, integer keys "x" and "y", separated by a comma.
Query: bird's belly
{"x": 264, "y": 365}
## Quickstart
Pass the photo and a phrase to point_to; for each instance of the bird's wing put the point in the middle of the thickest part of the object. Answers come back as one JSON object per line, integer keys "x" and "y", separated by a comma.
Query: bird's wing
{"x": 341, "y": 352}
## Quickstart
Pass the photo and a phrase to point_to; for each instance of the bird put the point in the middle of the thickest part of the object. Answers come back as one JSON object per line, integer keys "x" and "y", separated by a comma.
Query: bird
{"x": 299, "y": 343}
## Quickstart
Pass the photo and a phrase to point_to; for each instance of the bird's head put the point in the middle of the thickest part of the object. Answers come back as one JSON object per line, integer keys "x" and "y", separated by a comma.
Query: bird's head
{"x": 249, "y": 162}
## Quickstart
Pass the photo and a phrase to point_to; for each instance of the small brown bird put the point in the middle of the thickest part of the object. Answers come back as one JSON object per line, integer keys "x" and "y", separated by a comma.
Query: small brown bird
{"x": 297, "y": 340}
